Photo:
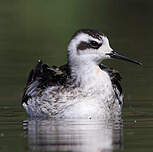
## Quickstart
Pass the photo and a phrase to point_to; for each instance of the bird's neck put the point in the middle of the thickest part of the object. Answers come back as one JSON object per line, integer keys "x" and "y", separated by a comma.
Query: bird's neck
{"x": 89, "y": 75}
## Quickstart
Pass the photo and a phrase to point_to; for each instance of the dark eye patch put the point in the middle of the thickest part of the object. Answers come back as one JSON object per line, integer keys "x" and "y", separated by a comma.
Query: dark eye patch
{"x": 88, "y": 45}
{"x": 83, "y": 46}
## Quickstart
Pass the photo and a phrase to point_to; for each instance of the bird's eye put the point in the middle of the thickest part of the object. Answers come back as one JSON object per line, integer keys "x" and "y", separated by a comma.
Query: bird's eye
{"x": 94, "y": 43}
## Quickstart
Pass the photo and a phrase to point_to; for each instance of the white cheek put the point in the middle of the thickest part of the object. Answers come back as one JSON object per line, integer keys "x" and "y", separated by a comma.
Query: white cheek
{"x": 86, "y": 51}
{"x": 105, "y": 48}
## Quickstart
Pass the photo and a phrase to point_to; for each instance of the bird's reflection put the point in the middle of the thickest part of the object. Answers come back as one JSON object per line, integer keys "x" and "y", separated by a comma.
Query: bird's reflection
{"x": 75, "y": 136}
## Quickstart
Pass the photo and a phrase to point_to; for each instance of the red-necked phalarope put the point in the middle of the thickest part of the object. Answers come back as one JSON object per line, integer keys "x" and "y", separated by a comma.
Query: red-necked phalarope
{"x": 82, "y": 88}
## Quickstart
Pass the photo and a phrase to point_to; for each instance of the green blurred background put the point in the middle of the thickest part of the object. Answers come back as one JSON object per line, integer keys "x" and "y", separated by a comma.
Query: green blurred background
{"x": 41, "y": 29}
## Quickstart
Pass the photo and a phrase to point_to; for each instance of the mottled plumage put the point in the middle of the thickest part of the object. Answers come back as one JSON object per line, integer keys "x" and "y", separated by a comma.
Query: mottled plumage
{"x": 43, "y": 76}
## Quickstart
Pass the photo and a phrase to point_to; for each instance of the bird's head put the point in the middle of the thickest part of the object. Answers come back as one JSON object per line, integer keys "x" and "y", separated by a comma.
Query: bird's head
{"x": 88, "y": 46}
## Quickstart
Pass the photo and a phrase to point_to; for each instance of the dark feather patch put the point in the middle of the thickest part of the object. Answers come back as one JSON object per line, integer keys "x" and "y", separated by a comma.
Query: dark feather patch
{"x": 86, "y": 45}
{"x": 83, "y": 46}
{"x": 43, "y": 76}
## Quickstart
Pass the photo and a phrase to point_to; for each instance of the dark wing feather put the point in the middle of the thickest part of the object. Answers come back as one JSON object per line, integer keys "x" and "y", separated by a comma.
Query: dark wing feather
{"x": 43, "y": 76}
{"x": 116, "y": 79}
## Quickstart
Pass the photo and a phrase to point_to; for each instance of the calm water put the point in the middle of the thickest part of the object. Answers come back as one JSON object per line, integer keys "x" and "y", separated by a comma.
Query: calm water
{"x": 33, "y": 29}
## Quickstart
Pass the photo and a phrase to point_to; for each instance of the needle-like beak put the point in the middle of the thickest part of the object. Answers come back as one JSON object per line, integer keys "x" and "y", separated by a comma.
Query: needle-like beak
{"x": 115, "y": 55}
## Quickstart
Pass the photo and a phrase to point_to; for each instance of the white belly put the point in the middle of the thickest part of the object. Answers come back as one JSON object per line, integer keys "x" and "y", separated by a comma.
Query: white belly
{"x": 86, "y": 109}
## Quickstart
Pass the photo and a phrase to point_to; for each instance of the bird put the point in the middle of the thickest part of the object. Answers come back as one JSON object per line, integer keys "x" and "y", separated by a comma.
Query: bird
{"x": 83, "y": 88}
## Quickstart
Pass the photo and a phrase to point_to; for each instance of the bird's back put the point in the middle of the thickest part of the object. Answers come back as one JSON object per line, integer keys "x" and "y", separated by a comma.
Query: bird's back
{"x": 43, "y": 76}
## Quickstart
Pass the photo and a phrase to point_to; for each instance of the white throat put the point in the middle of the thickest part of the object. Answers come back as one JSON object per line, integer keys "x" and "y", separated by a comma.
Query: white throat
{"x": 90, "y": 76}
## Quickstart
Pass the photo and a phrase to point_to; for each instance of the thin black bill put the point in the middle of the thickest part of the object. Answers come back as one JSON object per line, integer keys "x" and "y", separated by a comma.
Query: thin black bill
{"x": 115, "y": 55}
